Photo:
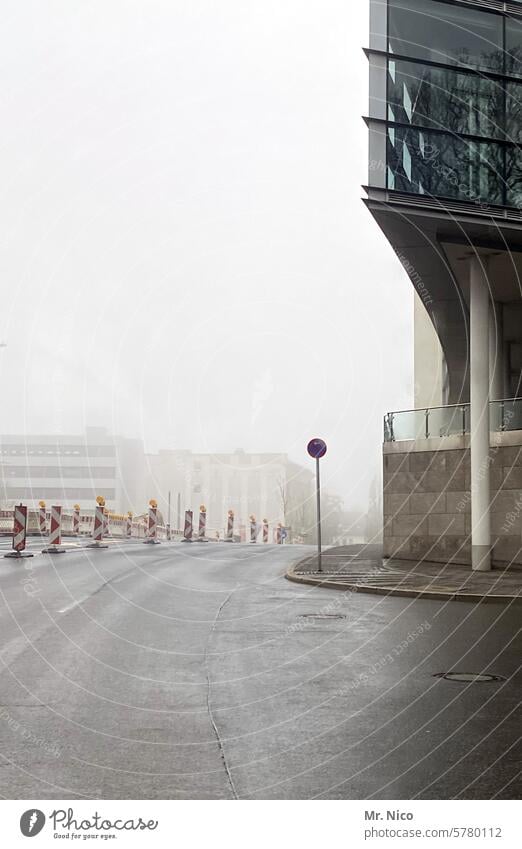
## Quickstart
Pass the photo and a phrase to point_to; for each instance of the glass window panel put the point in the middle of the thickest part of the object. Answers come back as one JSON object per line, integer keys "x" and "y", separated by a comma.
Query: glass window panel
{"x": 514, "y": 112}
{"x": 514, "y": 177}
{"x": 514, "y": 47}
{"x": 445, "y": 165}
{"x": 444, "y": 33}
{"x": 446, "y": 99}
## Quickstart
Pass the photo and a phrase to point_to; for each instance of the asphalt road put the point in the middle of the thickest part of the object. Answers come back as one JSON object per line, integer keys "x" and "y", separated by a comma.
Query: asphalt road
{"x": 196, "y": 671}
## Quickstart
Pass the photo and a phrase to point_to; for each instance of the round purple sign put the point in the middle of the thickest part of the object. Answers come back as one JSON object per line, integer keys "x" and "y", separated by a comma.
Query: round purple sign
{"x": 316, "y": 448}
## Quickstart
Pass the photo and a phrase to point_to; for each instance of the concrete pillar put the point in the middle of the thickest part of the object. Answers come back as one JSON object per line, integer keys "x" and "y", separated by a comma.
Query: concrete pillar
{"x": 479, "y": 416}
{"x": 496, "y": 353}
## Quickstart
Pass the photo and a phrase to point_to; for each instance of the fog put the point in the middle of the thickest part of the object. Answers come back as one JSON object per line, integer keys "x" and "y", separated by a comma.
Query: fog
{"x": 185, "y": 253}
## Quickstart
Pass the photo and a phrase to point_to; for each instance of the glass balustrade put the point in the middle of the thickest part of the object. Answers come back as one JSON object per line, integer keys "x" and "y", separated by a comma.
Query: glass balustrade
{"x": 451, "y": 420}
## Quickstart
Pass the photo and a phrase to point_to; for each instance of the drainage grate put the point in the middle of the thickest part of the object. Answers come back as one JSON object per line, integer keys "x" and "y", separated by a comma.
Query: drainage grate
{"x": 322, "y": 616}
{"x": 469, "y": 677}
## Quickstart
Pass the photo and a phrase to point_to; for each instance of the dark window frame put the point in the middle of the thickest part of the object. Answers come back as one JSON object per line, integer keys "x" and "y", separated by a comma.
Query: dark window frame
{"x": 504, "y": 145}
{"x": 469, "y": 136}
{"x": 474, "y": 140}
{"x": 476, "y": 8}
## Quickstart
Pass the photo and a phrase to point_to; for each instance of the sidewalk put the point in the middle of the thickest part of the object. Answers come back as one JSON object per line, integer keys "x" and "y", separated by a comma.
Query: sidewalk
{"x": 359, "y": 568}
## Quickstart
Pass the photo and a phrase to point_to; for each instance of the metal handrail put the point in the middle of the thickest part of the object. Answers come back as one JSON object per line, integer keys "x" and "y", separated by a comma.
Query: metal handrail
{"x": 450, "y": 406}
{"x": 389, "y": 435}
{"x": 422, "y": 409}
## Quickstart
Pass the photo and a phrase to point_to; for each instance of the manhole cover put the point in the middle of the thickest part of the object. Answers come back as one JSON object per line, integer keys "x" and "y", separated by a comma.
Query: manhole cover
{"x": 322, "y": 616}
{"x": 469, "y": 677}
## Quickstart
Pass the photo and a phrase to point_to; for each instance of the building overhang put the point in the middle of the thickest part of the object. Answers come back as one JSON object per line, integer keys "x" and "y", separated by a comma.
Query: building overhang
{"x": 432, "y": 239}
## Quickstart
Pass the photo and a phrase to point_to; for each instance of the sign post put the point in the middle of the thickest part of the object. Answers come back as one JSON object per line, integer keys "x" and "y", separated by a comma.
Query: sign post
{"x": 317, "y": 449}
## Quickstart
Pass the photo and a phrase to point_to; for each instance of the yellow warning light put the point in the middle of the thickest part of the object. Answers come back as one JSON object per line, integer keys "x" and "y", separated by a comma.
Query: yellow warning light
{"x": 76, "y": 506}
{"x": 202, "y": 508}
{"x": 41, "y": 504}
{"x": 230, "y": 512}
{"x": 153, "y": 502}
{"x": 100, "y": 500}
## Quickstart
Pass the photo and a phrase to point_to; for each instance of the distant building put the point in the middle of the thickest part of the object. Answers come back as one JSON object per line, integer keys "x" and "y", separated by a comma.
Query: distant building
{"x": 71, "y": 468}
{"x": 74, "y": 468}
{"x": 268, "y": 486}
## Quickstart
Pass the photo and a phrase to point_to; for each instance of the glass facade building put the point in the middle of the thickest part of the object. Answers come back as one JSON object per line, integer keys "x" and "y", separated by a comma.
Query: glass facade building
{"x": 445, "y": 188}
{"x": 453, "y": 101}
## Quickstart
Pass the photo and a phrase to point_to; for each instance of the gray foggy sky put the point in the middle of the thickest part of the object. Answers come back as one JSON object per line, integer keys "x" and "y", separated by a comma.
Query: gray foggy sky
{"x": 185, "y": 256}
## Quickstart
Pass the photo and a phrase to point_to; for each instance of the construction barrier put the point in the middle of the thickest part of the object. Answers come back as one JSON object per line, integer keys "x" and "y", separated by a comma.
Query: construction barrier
{"x": 230, "y": 527}
{"x": 76, "y": 520}
{"x": 278, "y": 534}
{"x": 187, "y": 533}
{"x": 42, "y": 519}
{"x": 152, "y": 526}
{"x": 100, "y": 520}
{"x": 55, "y": 533}
{"x": 253, "y": 528}
{"x": 265, "y": 530}
{"x": 202, "y": 529}
{"x": 101, "y": 523}
{"x": 19, "y": 533}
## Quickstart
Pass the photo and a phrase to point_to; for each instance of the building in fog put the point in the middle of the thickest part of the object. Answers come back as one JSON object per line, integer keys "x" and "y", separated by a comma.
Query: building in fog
{"x": 75, "y": 468}
{"x": 266, "y": 485}
{"x": 445, "y": 187}
{"x": 72, "y": 468}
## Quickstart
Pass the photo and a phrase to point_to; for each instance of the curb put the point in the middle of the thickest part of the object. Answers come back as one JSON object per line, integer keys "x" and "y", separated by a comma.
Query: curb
{"x": 432, "y": 595}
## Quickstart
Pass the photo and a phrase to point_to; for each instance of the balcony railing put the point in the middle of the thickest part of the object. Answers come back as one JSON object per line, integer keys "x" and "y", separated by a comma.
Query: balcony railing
{"x": 449, "y": 421}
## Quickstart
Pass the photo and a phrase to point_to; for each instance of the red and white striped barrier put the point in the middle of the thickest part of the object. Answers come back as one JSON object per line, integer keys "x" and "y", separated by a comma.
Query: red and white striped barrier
{"x": 253, "y": 528}
{"x": 230, "y": 527}
{"x": 99, "y": 526}
{"x": 279, "y": 534}
{"x": 55, "y": 533}
{"x": 76, "y": 520}
{"x": 187, "y": 533}
{"x": 95, "y": 525}
{"x": 42, "y": 519}
{"x": 265, "y": 530}
{"x": 19, "y": 533}
{"x": 152, "y": 526}
{"x": 202, "y": 528}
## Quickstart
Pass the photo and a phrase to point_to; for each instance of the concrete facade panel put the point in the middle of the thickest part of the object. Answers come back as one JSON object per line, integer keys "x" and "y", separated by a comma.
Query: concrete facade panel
{"x": 458, "y": 502}
{"x": 396, "y": 463}
{"x": 434, "y": 521}
{"x": 405, "y": 526}
{"x": 396, "y": 502}
{"x": 446, "y": 524}
{"x": 427, "y": 502}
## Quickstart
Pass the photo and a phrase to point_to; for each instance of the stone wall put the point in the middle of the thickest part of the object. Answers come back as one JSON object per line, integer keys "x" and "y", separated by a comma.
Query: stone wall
{"x": 427, "y": 501}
